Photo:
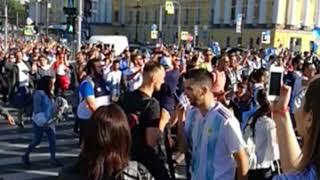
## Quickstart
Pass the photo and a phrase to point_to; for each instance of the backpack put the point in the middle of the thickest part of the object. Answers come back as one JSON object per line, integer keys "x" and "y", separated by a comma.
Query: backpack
{"x": 133, "y": 112}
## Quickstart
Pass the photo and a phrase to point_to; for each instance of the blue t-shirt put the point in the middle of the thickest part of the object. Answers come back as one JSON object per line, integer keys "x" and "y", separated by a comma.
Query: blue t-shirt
{"x": 124, "y": 64}
{"x": 166, "y": 95}
{"x": 308, "y": 174}
{"x": 86, "y": 89}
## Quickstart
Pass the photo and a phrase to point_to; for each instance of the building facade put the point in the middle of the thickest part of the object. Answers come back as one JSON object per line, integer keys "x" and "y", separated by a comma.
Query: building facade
{"x": 37, "y": 11}
{"x": 289, "y": 21}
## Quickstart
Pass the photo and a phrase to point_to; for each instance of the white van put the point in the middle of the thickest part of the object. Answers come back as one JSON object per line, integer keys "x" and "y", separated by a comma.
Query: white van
{"x": 120, "y": 43}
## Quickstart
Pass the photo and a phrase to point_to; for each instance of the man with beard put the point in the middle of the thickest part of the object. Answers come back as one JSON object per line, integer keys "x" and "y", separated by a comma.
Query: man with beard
{"x": 93, "y": 92}
{"x": 213, "y": 133}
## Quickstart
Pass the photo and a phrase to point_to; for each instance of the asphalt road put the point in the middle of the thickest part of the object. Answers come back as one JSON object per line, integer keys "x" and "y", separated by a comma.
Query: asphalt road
{"x": 14, "y": 142}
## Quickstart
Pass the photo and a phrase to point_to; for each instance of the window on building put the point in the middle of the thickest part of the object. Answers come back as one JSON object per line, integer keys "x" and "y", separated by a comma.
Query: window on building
{"x": 116, "y": 16}
{"x": 198, "y": 16}
{"x": 130, "y": 17}
{"x": 175, "y": 20}
{"x": 244, "y": 11}
{"x": 212, "y": 16}
{"x": 155, "y": 16}
{"x": 233, "y": 10}
{"x": 239, "y": 40}
{"x": 146, "y": 17}
{"x": 186, "y": 21}
{"x": 251, "y": 42}
{"x": 138, "y": 16}
{"x": 228, "y": 42}
{"x": 256, "y": 11}
{"x": 258, "y": 41}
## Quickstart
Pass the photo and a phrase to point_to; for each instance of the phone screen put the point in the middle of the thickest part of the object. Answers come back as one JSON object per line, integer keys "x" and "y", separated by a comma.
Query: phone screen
{"x": 275, "y": 83}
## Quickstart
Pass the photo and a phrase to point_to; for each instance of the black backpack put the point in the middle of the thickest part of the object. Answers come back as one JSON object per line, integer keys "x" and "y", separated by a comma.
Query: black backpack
{"x": 133, "y": 111}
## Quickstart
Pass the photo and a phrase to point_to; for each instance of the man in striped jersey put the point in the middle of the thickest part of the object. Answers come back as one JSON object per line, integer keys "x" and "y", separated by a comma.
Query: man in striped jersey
{"x": 213, "y": 133}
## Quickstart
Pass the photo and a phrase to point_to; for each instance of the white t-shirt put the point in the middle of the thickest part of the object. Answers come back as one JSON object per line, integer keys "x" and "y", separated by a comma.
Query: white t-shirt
{"x": 23, "y": 74}
{"x": 61, "y": 70}
{"x": 267, "y": 148}
{"x": 298, "y": 85}
{"x": 213, "y": 138}
{"x": 114, "y": 77}
{"x": 136, "y": 81}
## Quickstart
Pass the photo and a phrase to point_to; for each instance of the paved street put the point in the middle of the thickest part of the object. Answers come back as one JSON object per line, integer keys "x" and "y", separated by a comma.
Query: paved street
{"x": 13, "y": 143}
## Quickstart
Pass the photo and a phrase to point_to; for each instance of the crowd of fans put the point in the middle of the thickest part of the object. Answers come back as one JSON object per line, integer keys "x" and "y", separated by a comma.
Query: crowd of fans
{"x": 130, "y": 106}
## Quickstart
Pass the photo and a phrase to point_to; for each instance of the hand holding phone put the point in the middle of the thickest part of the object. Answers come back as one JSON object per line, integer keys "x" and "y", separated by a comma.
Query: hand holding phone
{"x": 275, "y": 82}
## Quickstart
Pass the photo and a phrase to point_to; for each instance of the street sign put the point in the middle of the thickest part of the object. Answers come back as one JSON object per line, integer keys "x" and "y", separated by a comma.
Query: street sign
{"x": 196, "y": 30}
{"x": 28, "y": 30}
{"x": 70, "y": 11}
{"x": 266, "y": 37}
{"x": 154, "y": 34}
{"x": 184, "y": 35}
{"x": 239, "y": 23}
{"x": 154, "y": 27}
{"x": 169, "y": 7}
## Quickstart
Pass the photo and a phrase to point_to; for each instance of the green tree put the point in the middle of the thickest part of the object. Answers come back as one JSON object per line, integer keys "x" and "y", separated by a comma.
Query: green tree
{"x": 15, "y": 8}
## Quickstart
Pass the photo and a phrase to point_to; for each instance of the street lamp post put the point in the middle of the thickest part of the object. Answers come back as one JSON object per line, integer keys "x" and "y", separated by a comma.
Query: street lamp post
{"x": 38, "y": 9}
{"x": 6, "y": 25}
{"x": 243, "y": 22}
{"x": 48, "y": 7}
{"x": 177, "y": 2}
{"x": 137, "y": 18}
{"x": 179, "y": 22}
{"x": 80, "y": 16}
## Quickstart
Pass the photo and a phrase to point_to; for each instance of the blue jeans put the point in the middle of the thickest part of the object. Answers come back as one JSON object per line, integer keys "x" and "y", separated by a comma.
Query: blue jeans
{"x": 37, "y": 137}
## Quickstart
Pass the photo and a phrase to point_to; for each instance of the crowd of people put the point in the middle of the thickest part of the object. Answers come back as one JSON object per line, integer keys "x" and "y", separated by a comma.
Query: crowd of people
{"x": 209, "y": 109}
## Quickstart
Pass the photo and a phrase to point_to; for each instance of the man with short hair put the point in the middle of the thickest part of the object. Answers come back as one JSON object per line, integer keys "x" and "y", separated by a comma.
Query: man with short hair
{"x": 93, "y": 92}
{"x": 114, "y": 80}
{"x": 213, "y": 133}
{"x": 146, "y": 132}
{"x": 207, "y": 64}
{"x": 133, "y": 75}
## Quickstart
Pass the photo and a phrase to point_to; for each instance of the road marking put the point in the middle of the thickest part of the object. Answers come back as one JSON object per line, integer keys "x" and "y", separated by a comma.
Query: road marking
{"x": 46, "y": 173}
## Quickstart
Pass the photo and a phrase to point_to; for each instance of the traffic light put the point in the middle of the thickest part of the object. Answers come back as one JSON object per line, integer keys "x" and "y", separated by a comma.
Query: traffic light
{"x": 70, "y": 11}
{"x": 70, "y": 24}
{"x": 87, "y": 8}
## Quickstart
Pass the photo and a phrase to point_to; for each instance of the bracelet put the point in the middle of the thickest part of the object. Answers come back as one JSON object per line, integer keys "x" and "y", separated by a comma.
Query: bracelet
{"x": 282, "y": 112}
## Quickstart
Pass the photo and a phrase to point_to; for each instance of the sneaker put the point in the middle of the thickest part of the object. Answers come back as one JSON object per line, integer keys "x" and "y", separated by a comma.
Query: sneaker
{"x": 21, "y": 125}
{"x": 26, "y": 160}
{"x": 56, "y": 162}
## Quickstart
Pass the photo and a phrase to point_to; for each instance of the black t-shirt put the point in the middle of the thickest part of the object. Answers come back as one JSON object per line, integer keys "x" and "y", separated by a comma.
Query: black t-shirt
{"x": 166, "y": 95}
{"x": 147, "y": 108}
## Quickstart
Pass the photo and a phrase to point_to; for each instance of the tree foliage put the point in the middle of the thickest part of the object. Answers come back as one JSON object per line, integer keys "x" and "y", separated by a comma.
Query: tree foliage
{"x": 15, "y": 7}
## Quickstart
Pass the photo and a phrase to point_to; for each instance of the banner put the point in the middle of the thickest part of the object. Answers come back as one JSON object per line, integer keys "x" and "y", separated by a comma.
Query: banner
{"x": 239, "y": 23}
{"x": 266, "y": 37}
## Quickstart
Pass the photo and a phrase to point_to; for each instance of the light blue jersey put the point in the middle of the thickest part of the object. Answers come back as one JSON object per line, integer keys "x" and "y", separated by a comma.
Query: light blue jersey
{"x": 308, "y": 174}
{"x": 213, "y": 139}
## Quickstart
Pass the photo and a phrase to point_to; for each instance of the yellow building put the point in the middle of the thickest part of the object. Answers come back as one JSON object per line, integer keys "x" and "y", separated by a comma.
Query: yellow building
{"x": 289, "y": 21}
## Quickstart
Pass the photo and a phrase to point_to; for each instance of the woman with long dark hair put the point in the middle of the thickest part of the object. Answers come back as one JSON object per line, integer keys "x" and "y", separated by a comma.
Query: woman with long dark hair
{"x": 106, "y": 147}
{"x": 43, "y": 111}
{"x": 299, "y": 162}
{"x": 261, "y": 138}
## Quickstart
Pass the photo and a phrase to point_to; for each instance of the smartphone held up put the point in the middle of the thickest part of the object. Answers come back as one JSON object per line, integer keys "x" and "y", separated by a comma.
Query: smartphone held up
{"x": 275, "y": 82}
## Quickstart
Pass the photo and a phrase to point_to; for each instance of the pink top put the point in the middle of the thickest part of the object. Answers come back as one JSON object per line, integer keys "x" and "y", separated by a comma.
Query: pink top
{"x": 219, "y": 81}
